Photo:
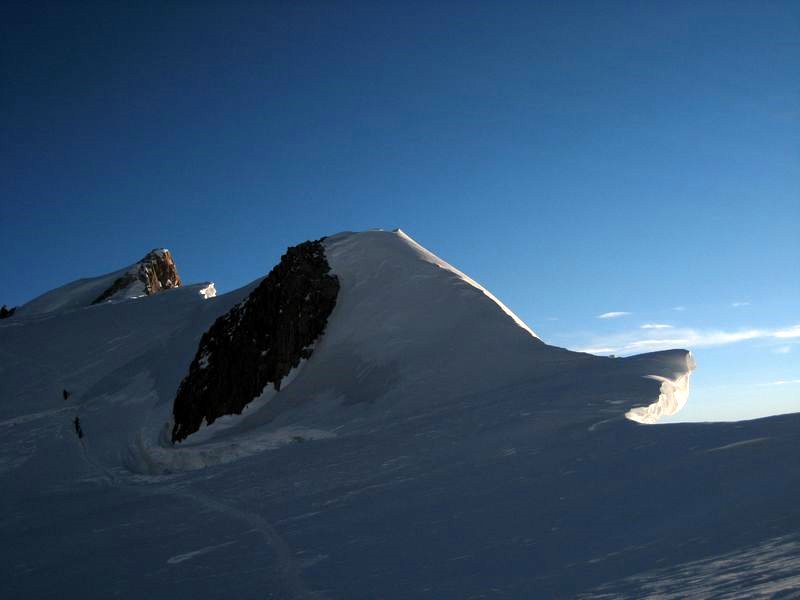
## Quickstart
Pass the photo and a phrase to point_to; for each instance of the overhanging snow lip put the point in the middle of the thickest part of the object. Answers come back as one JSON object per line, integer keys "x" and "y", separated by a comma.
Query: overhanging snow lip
{"x": 672, "y": 397}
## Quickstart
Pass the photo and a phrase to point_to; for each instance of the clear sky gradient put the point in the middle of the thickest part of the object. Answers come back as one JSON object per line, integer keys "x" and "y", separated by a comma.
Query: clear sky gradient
{"x": 576, "y": 158}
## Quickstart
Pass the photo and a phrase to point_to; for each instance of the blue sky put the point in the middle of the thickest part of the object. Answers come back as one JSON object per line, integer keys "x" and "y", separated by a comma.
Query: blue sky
{"x": 576, "y": 158}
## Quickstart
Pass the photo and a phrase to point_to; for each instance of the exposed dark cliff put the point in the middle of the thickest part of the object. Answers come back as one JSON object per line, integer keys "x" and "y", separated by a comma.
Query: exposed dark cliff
{"x": 156, "y": 271}
{"x": 259, "y": 340}
{"x": 6, "y": 312}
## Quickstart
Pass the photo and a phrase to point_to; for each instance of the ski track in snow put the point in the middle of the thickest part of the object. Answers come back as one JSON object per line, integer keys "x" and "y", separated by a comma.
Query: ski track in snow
{"x": 179, "y": 558}
{"x": 288, "y": 570}
{"x": 22, "y": 419}
{"x": 738, "y": 444}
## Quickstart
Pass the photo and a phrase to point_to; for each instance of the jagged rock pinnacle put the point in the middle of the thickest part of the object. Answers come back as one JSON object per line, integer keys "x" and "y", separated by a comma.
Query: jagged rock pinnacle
{"x": 156, "y": 272}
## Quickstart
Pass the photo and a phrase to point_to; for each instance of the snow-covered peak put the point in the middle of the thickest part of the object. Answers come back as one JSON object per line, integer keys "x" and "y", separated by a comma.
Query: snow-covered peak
{"x": 432, "y": 258}
{"x": 392, "y": 282}
{"x": 155, "y": 272}
{"x": 408, "y": 331}
{"x": 423, "y": 416}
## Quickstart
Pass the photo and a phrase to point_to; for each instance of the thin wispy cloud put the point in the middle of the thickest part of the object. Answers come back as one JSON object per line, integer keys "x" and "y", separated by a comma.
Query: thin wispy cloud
{"x": 679, "y": 308}
{"x": 739, "y": 304}
{"x": 783, "y": 382}
{"x": 791, "y": 332}
{"x": 613, "y": 314}
{"x": 782, "y": 350}
{"x": 655, "y": 326}
{"x": 650, "y": 340}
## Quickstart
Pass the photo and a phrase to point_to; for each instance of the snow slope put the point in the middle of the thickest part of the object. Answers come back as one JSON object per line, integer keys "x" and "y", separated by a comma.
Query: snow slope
{"x": 83, "y": 292}
{"x": 432, "y": 447}
{"x": 75, "y": 294}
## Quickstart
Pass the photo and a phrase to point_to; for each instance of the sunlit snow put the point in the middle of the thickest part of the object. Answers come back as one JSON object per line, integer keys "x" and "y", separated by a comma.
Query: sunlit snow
{"x": 432, "y": 446}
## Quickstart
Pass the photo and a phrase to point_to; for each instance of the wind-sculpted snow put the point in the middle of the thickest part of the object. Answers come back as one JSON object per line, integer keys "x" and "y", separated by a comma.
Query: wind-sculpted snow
{"x": 429, "y": 447}
{"x": 673, "y": 395}
{"x": 765, "y": 570}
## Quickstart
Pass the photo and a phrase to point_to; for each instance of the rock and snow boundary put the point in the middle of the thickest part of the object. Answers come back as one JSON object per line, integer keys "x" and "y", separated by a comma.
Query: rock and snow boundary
{"x": 384, "y": 318}
{"x": 259, "y": 341}
{"x": 423, "y": 412}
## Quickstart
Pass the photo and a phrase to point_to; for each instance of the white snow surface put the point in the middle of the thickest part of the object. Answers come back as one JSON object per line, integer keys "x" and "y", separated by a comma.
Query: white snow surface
{"x": 76, "y": 294}
{"x": 431, "y": 447}
{"x": 209, "y": 291}
{"x": 81, "y": 293}
{"x": 672, "y": 397}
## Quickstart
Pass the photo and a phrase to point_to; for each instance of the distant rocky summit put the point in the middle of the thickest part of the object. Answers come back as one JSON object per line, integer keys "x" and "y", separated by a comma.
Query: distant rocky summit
{"x": 6, "y": 312}
{"x": 259, "y": 341}
{"x": 155, "y": 272}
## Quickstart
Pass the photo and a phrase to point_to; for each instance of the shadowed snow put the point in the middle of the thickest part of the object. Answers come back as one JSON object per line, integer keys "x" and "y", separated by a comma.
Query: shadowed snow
{"x": 431, "y": 446}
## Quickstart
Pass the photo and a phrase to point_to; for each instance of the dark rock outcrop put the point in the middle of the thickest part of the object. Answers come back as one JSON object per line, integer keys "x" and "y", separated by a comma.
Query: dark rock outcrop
{"x": 259, "y": 340}
{"x": 157, "y": 271}
{"x": 6, "y": 312}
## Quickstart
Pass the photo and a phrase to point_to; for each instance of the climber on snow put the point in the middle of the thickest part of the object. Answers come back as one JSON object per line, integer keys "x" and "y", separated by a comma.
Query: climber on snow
{"x": 78, "y": 430}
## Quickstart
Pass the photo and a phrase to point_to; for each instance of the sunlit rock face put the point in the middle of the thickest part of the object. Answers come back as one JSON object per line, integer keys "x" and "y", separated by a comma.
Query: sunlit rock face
{"x": 259, "y": 341}
{"x": 154, "y": 273}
